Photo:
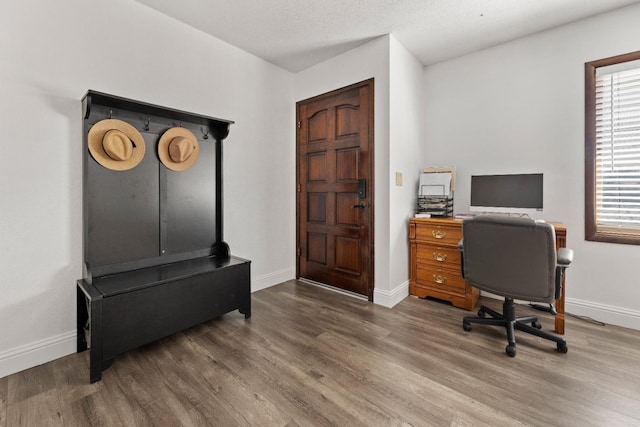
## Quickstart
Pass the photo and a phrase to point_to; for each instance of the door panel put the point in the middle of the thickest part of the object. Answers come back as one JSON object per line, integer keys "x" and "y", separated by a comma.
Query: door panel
{"x": 317, "y": 167}
{"x": 346, "y": 215}
{"x": 334, "y": 152}
{"x": 347, "y": 164}
{"x": 317, "y": 127}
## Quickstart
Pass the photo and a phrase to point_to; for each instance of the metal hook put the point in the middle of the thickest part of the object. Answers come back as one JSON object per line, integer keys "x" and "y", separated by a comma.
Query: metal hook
{"x": 146, "y": 123}
{"x": 205, "y": 135}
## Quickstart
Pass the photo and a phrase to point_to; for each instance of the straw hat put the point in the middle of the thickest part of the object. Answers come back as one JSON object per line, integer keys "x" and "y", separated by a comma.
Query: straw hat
{"x": 116, "y": 145}
{"x": 178, "y": 149}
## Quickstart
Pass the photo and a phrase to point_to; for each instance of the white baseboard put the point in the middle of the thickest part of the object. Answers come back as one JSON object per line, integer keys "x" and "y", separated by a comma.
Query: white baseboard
{"x": 604, "y": 313}
{"x": 37, "y": 353}
{"x": 272, "y": 279}
{"x": 392, "y": 297}
{"x": 43, "y": 351}
{"x": 48, "y": 349}
{"x": 608, "y": 314}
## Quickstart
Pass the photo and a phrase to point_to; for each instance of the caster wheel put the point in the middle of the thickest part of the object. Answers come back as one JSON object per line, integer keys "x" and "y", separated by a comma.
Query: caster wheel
{"x": 481, "y": 313}
{"x": 562, "y": 347}
{"x": 466, "y": 326}
{"x": 536, "y": 324}
{"x": 511, "y": 350}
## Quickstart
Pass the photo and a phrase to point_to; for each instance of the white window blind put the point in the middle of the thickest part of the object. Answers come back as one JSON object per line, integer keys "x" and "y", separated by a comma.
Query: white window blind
{"x": 618, "y": 150}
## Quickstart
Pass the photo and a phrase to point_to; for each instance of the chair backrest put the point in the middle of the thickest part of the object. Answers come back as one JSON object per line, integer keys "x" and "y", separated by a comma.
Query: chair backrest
{"x": 510, "y": 256}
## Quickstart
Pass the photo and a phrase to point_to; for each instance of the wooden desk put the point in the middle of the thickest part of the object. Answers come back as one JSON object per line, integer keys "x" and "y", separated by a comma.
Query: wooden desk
{"x": 435, "y": 264}
{"x": 561, "y": 242}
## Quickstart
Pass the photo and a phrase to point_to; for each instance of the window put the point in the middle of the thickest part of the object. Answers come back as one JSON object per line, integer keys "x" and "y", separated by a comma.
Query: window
{"x": 612, "y": 149}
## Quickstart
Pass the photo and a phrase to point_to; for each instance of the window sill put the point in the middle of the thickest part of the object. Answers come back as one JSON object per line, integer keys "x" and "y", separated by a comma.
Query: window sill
{"x": 624, "y": 237}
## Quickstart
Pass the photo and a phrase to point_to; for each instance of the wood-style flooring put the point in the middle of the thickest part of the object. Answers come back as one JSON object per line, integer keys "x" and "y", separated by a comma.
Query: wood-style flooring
{"x": 312, "y": 357}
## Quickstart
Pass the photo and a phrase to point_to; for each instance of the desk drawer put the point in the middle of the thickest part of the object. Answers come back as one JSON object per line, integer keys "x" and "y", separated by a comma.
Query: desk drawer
{"x": 438, "y": 256}
{"x": 437, "y": 234}
{"x": 440, "y": 278}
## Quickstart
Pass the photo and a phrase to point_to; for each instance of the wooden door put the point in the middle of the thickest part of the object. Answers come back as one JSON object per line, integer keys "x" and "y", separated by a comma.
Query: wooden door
{"x": 335, "y": 188}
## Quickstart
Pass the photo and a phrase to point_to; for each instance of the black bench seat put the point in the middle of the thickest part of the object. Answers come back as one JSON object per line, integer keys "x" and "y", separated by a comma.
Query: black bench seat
{"x": 122, "y": 311}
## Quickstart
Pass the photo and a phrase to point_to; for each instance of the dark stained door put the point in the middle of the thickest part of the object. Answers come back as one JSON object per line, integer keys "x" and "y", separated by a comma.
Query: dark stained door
{"x": 335, "y": 188}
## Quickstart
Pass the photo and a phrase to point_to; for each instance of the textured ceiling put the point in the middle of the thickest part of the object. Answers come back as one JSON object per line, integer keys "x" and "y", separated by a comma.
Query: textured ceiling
{"x": 296, "y": 34}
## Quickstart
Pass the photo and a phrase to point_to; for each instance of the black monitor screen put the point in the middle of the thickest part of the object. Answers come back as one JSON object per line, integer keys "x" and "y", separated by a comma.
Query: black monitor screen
{"x": 507, "y": 191}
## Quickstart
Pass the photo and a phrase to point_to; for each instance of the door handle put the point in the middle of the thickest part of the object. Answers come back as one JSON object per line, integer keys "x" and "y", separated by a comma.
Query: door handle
{"x": 360, "y": 205}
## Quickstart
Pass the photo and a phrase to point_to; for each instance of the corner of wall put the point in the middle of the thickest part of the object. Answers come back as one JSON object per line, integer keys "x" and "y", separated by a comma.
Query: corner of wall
{"x": 272, "y": 279}
{"x": 392, "y": 297}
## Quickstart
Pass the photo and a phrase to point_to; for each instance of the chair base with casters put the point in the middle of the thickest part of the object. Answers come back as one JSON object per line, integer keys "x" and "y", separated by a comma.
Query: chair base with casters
{"x": 528, "y": 324}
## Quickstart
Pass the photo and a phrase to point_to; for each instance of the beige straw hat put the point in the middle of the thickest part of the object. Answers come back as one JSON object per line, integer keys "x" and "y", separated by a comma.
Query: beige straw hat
{"x": 178, "y": 149}
{"x": 116, "y": 145}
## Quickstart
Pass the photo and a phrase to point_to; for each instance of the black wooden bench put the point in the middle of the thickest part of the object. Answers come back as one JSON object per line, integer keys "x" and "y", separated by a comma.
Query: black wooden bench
{"x": 155, "y": 261}
{"x": 123, "y": 311}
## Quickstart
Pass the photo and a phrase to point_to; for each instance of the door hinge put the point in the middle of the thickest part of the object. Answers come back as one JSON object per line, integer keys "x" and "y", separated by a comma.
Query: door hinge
{"x": 299, "y": 251}
{"x": 299, "y": 189}
{"x": 299, "y": 124}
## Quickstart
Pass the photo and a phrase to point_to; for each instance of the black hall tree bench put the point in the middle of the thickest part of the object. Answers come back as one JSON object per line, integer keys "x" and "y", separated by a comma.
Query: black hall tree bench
{"x": 155, "y": 261}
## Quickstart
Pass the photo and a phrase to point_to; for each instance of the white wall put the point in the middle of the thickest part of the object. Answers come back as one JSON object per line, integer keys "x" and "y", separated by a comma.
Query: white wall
{"x": 406, "y": 154}
{"x": 519, "y": 107}
{"x": 51, "y": 54}
{"x": 362, "y": 63}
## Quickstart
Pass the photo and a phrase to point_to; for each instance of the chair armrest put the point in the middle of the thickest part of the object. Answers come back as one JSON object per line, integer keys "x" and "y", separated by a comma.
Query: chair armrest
{"x": 565, "y": 257}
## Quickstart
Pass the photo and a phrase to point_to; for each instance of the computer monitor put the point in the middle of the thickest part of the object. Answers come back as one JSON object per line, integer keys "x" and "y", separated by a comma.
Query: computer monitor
{"x": 520, "y": 194}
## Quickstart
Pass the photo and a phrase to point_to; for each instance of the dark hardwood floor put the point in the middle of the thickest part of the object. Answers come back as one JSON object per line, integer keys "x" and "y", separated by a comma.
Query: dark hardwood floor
{"x": 312, "y": 357}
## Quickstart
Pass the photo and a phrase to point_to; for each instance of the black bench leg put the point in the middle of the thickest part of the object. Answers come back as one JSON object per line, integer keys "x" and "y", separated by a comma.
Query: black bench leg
{"x": 246, "y": 309}
{"x": 95, "y": 354}
{"x": 82, "y": 316}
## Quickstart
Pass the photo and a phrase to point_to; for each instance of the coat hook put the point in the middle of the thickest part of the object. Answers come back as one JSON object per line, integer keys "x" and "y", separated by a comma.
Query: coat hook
{"x": 205, "y": 135}
{"x": 146, "y": 123}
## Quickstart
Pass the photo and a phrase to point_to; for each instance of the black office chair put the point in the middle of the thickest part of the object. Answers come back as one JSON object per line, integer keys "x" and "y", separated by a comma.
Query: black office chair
{"x": 515, "y": 258}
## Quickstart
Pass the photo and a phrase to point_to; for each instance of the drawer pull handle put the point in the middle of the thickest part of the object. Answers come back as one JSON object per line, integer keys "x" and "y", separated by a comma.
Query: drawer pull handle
{"x": 439, "y": 279}
{"x": 439, "y": 257}
{"x": 438, "y": 234}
